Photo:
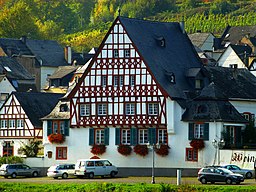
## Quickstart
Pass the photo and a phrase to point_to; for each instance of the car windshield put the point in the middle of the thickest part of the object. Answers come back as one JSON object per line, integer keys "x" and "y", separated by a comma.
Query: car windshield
{"x": 225, "y": 170}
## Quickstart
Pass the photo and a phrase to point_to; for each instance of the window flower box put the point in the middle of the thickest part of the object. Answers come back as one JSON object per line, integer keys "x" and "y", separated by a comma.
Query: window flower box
{"x": 163, "y": 150}
{"x": 98, "y": 149}
{"x": 124, "y": 149}
{"x": 197, "y": 144}
{"x": 141, "y": 150}
{"x": 56, "y": 138}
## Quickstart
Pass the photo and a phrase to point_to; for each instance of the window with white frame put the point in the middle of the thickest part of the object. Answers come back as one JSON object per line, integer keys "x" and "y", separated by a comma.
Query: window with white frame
{"x": 11, "y": 123}
{"x": 3, "y": 123}
{"x": 102, "y": 109}
{"x": 153, "y": 108}
{"x": 85, "y": 110}
{"x": 103, "y": 80}
{"x": 99, "y": 136}
{"x": 143, "y": 136}
{"x": 198, "y": 131}
{"x": 20, "y": 123}
{"x": 127, "y": 53}
{"x": 162, "y": 136}
{"x": 126, "y": 136}
{"x": 118, "y": 80}
{"x": 132, "y": 80}
{"x": 55, "y": 127}
{"x": 115, "y": 53}
{"x": 130, "y": 108}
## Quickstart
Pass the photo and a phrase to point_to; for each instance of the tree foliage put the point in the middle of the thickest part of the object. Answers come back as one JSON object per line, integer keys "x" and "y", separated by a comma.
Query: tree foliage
{"x": 31, "y": 149}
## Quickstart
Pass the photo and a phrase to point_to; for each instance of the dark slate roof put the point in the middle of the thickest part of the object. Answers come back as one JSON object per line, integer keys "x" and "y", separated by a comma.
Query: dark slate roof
{"x": 14, "y": 47}
{"x": 176, "y": 57}
{"x": 236, "y": 33}
{"x": 253, "y": 40}
{"x": 207, "y": 110}
{"x": 62, "y": 71}
{"x": 229, "y": 83}
{"x": 37, "y": 105}
{"x": 50, "y": 52}
{"x": 243, "y": 51}
{"x": 17, "y": 71}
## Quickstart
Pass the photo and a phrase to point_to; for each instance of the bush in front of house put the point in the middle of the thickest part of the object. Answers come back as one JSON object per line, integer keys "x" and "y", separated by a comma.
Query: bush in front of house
{"x": 10, "y": 159}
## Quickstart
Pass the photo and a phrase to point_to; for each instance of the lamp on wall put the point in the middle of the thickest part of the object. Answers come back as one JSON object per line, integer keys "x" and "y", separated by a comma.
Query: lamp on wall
{"x": 217, "y": 144}
{"x": 153, "y": 147}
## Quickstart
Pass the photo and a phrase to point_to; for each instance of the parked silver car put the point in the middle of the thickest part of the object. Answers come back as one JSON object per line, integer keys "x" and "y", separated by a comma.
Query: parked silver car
{"x": 15, "y": 170}
{"x": 247, "y": 173}
{"x": 61, "y": 170}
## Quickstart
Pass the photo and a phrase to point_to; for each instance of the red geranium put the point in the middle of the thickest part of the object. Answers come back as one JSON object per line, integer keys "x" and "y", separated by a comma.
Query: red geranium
{"x": 98, "y": 149}
{"x": 56, "y": 138}
{"x": 163, "y": 150}
{"x": 124, "y": 149}
{"x": 141, "y": 150}
{"x": 197, "y": 143}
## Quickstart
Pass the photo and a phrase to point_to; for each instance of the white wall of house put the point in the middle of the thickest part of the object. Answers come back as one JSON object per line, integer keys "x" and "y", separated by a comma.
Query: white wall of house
{"x": 45, "y": 73}
{"x": 229, "y": 57}
{"x": 5, "y": 88}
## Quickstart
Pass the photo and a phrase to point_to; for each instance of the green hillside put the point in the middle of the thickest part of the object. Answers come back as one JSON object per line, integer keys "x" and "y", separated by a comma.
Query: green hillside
{"x": 83, "y": 23}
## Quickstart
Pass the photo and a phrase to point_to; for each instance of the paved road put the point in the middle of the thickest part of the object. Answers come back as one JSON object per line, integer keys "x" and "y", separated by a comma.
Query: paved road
{"x": 169, "y": 180}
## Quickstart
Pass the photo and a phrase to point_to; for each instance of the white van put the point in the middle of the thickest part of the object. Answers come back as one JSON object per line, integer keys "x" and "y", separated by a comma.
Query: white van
{"x": 95, "y": 167}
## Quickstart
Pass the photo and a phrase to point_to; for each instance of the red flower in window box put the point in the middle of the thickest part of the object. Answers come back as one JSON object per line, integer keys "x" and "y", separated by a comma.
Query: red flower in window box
{"x": 197, "y": 143}
{"x": 56, "y": 138}
{"x": 98, "y": 149}
{"x": 141, "y": 150}
{"x": 124, "y": 149}
{"x": 163, "y": 150}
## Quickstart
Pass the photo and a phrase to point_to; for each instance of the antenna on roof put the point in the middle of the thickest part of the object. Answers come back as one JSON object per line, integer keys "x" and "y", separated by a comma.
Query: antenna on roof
{"x": 119, "y": 11}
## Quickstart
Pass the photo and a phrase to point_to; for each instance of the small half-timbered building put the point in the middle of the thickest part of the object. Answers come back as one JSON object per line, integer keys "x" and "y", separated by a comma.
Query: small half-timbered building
{"x": 20, "y": 119}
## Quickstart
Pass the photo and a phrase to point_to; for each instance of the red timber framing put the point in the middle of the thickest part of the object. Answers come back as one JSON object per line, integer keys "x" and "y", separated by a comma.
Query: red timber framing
{"x": 15, "y": 123}
{"x": 127, "y": 80}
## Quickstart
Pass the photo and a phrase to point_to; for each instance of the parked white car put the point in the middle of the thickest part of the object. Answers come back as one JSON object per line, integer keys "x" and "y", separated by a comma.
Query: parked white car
{"x": 95, "y": 167}
{"x": 247, "y": 173}
{"x": 61, "y": 170}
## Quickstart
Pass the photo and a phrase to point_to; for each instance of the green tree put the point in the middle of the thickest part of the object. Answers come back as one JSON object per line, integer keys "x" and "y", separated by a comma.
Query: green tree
{"x": 31, "y": 149}
{"x": 222, "y": 7}
{"x": 17, "y": 20}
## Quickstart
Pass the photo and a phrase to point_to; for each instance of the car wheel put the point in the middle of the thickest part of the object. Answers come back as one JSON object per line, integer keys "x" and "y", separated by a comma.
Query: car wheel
{"x": 203, "y": 180}
{"x": 91, "y": 175}
{"x": 212, "y": 182}
{"x": 112, "y": 174}
{"x": 64, "y": 176}
{"x": 229, "y": 181}
{"x": 248, "y": 175}
{"x": 55, "y": 177}
{"x": 5, "y": 177}
{"x": 238, "y": 182}
{"x": 14, "y": 175}
{"x": 35, "y": 174}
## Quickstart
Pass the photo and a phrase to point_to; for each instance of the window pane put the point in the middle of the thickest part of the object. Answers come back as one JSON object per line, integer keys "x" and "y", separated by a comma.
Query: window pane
{"x": 126, "y": 137}
{"x": 143, "y": 136}
{"x": 99, "y": 136}
{"x": 102, "y": 109}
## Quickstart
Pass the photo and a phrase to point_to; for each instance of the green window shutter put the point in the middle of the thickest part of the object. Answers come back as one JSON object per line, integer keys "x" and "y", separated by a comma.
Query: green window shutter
{"x": 66, "y": 128}
{"x": 190, "y": 131}
{"x": 49, "y": 127}
{"x": 152, "y": 135}
{"x": 106, "y": 136}
{"x": 206, "y": 131}
{"x": 91, "y": 136}
{"x": 134, "y": 137}
{"x": 118, "y": 135}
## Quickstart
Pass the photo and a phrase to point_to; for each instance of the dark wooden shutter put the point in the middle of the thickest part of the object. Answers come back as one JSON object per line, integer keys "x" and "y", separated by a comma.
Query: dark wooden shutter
{"x": 134, "y": 136}
{"x": 152, "y": 135}
{"x": 206, "y": 131}
{"x": 190, "y": 131}
{"x": 49, "y": 127}
{"x": 118, "y": 135}
{"x": 66, "y": 128}
{"x": 91, "y": 136}
{"x": 106, "y": 136}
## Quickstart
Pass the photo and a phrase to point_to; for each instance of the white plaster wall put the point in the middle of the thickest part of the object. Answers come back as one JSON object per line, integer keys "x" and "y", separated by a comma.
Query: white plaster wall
{"x": 44, "y": 74}
{"x": 5, "y": 87}
{"x": 230, "y": 57}
{"x": 245, "y": 106}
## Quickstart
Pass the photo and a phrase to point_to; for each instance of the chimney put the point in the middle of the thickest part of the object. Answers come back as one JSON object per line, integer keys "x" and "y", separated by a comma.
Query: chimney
{"x": 182, "y": 25}
{"x": 67, "y": 54}
{"x": 23, "y": 39}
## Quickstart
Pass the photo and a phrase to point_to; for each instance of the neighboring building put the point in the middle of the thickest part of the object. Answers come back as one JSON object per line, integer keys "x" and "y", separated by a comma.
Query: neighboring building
{"x": 20, "y": 119}
{"x": 146, "y": 84}
{"x": 5, "y": 89}
{"x": 204, "y": 41}
{"x": 40, "y": 57}
{"x": 236, "y": 56}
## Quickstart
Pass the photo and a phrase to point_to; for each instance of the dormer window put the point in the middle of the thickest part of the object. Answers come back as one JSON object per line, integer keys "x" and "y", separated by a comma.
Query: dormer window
{"x": 63, "y": 108}
{"x": 171, "y": 77}
{"x": 198, "y": 84}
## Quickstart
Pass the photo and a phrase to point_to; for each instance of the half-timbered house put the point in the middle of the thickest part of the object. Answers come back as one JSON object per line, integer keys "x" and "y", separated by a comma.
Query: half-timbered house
{"x": 20, "y": 119}
{"x": 146, "y": 85}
